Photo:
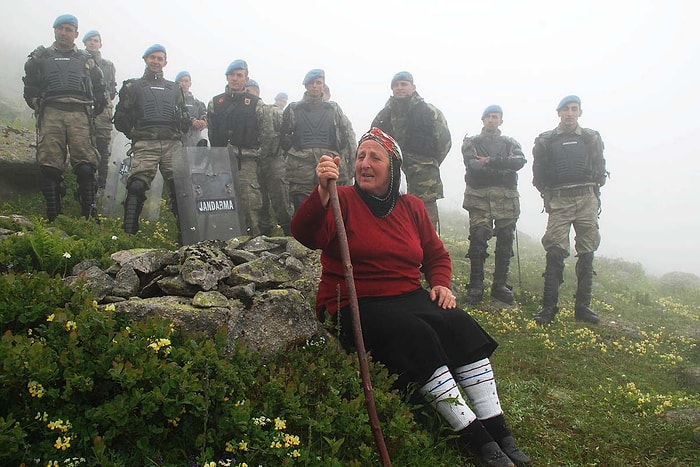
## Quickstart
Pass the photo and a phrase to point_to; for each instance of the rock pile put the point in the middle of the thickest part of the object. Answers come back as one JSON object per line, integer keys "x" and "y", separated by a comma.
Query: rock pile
{"x": 260, "y": 289}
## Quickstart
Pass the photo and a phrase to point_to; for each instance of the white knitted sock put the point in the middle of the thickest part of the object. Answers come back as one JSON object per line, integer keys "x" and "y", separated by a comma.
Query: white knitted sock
{"x": 479, "y": 385}
{"x": 442, "y": 393}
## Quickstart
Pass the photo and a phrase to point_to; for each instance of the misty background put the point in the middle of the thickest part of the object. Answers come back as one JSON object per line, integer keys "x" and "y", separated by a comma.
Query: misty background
{"x": 633, "y": 63}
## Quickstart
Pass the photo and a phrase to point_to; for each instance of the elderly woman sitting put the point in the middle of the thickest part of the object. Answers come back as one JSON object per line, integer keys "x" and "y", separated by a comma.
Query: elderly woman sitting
{"x": 418, "y": 334}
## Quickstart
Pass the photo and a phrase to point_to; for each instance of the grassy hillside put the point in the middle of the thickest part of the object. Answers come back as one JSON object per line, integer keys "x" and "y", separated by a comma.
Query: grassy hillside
{"x": 625, "y": 392}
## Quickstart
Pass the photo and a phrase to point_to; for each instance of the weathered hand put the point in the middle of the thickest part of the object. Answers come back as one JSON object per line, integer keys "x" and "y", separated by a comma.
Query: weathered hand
{"x": 443, "y": 296}
{"x": 327, "y": 169}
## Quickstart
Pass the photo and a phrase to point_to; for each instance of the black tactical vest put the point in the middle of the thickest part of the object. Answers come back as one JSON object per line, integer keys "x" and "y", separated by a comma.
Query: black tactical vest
{"x": 315, "y": 126}
{"x": 568, "y": 160}
{"x": 419, "y": 139}
{"x": 492, "y": 147}
{"x": 65, "y": 74}
{"x": 236, "y": 121}
{"x": 156, "y": 104}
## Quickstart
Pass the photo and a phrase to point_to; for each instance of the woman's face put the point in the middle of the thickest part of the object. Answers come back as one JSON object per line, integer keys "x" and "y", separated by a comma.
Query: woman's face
{"x": 372, "y": 168}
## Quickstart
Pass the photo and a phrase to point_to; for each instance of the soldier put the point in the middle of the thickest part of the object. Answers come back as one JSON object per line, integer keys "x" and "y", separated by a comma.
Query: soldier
{"x": 348, "y": 153}
{"x": 151, "y": 112}
{"x": 568, "y": 171}
{"x": 273, "y": 183}
{"x": 310, "y": 128}
{"x": 281, "y": 100}
{"x": 421, "y": 131}
{"x": 103, "y": 122}
{"x": 196, "y": 109}
{"x": 491, "y": 197}
{"x": 65, "y": 88}
{"x": 238, "y": 120}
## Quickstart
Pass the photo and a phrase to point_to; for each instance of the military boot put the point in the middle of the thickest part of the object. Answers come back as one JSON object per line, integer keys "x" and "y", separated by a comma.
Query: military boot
{"x": 87, "y": 190}
{"x": 475, "y": 291}
{"x": 477, "y": 254}
{"x": 553, "y": 278}
{"x": 133, "y": 204}
{"x": 584, "y": 274}
{"x": 504, "y": 252}
{"x": 52, "y": 191}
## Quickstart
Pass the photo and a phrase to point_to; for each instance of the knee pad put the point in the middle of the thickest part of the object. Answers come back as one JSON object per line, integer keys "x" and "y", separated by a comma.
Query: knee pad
{"x": 51, "y": 173}
{"x": 480, "y": 235}
{"x": 478, "y": 242}
{"x": 84, "y": 172}
{"x": 504, "y": 241}
{"x": 137, "y": 187}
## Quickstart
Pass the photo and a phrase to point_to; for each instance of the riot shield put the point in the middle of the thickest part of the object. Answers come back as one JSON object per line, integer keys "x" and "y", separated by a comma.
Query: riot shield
{"x": 111, "y": 202}
{"x": 206, "y": 196}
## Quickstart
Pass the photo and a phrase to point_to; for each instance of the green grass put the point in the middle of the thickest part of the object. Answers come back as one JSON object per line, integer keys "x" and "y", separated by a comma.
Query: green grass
{"x": 615, "y": 394}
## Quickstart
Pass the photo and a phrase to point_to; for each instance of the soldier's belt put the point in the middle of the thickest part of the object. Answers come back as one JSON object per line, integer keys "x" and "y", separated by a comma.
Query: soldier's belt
{"x": 67, "y": 106}
{"x": 570, "y": 192}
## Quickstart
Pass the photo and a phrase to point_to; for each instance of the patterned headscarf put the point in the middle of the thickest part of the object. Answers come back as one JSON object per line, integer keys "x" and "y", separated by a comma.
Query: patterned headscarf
{"x": 381, "y": 206}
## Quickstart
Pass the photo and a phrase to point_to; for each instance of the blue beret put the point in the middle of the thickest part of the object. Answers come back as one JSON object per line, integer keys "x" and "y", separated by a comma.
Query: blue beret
{"x": 568, "y": 100}
{"x": 236, "y": 65}
{"x": 181, "y": 75}
{"x": 66, "y": 19}
{"x": 252, "y": 83}
{"x": 492, "y": 109}
{"x": 90, "y": 34}
{"x": 402, "y": 76}
{"x": 154, "y": 48}
{"x": 281, "y": 95}
{"x": 312, "y": 75}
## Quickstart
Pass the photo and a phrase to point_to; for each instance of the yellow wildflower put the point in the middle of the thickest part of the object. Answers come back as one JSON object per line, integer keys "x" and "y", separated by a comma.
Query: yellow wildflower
{"x": 62, "y": 443}
{"x": 35, "y": 389}
{"x": 280, "y": 424}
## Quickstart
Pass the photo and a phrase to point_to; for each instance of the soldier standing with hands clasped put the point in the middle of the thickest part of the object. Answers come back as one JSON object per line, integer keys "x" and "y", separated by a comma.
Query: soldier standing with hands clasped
{"x": 491, "y": 197}
{"x": 421, "y": 131}
{"x": 568, "y": 171}
{"x": 238, "y": 120}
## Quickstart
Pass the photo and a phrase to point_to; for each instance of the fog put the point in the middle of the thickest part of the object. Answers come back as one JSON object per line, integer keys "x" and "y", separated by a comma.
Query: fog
{"x": 633, "y": 63}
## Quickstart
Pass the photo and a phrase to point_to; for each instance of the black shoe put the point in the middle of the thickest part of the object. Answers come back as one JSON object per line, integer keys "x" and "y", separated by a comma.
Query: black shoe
{"x": 475, "y": 293}
{"x": 512, "y": 450}
{"x": 502, "y": 293}
{"x": 585, "y": 314}
{"x": 491, "y": 455}
{"x": 546, "y": 316}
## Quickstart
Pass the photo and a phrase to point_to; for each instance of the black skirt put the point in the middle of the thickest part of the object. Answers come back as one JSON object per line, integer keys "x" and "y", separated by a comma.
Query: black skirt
{"x": 412, "y": 336}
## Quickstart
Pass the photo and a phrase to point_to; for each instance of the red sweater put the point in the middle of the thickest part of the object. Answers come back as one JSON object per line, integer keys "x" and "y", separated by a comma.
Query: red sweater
{"x": 388, "y": 255}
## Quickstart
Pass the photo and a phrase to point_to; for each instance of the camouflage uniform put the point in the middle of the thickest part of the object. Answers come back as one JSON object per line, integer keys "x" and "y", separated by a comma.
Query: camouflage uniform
{"x": 349, "y": 152}
{"x": 197, "y": 110}
{"x": 245, "y": 158}
{"x": 155, "y": 129}
{"x": 568, "y": 171}
{"x": 103, "y": 122}
{"x": 273, "y": 182}
{"x": 424, "y": 137}
{"x": 62, "y": 87}
{"x": 492, "y": 199}
{"x": 302, "y": 157}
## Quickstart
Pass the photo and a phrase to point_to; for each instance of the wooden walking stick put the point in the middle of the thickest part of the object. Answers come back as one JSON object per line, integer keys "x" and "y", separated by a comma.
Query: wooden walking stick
{"x": 356, "y": 326}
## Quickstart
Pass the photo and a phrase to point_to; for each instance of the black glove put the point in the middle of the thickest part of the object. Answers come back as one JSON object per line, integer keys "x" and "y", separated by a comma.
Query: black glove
{"x": 99, "y": 107}
{"x": 286, "y": 142}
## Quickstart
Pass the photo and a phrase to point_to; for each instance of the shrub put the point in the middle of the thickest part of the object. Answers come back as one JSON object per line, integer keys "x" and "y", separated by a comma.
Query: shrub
{"x": 81, "y": 382}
